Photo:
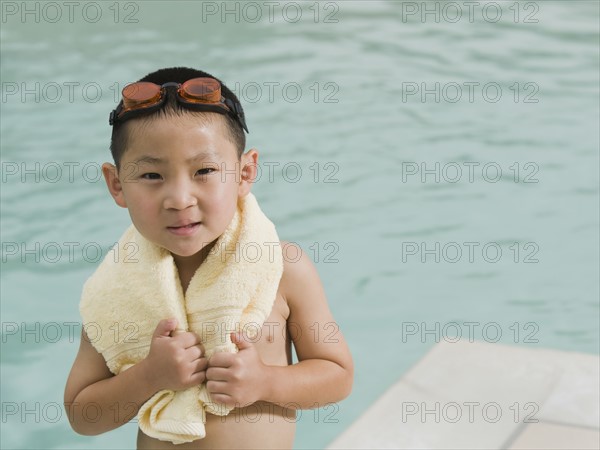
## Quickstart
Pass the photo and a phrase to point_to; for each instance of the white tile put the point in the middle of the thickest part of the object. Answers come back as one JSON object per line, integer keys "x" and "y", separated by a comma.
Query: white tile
{"x": 397, "y": 421}
{"x": 484, "y": 372}
{"x": 516, "y": 381}
{"x": 575, "y": 398}
{"x": 552, "y": 436}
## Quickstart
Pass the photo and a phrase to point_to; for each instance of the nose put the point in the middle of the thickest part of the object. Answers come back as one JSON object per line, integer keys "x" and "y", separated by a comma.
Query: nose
{"x": 179, "y": 195}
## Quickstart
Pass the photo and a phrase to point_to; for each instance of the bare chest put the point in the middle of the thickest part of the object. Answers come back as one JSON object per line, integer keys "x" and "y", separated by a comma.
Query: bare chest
{"x": 273, "y": 341}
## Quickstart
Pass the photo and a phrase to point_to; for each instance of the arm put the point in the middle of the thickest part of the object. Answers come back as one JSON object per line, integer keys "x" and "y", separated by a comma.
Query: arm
{"x": 97, "y": 401}
{"x": 324, "y": 372}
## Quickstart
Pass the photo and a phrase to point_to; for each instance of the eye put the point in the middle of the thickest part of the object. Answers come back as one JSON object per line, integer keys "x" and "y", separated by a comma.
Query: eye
{"x": 151, "y": 176}
{"x": 205, "y": 171}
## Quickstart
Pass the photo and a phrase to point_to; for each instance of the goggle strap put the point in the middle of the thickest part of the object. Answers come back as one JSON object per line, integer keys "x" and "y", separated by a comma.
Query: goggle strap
{"x": 112, "y": 117}
{"x": 237, "y": 110}
{"x": 234, "y": 108}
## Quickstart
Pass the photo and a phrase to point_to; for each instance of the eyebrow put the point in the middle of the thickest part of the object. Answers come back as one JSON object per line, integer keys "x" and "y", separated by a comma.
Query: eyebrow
{"x": 154, "y": 160}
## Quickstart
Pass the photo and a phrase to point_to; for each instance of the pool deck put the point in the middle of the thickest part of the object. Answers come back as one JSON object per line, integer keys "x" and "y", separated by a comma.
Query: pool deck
{"x": 479, "y": 395}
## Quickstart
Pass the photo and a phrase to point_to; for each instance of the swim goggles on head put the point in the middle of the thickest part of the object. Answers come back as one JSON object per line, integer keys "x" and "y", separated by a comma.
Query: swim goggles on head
{"x": 199, "y": 94}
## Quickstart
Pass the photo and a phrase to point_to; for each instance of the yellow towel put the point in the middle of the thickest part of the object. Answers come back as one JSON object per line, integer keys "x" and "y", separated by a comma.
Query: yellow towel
{"x": 137, "y": 285}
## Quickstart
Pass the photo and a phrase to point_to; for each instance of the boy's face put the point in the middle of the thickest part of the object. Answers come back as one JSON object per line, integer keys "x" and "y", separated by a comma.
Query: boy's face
{"x": 180, "y": 179}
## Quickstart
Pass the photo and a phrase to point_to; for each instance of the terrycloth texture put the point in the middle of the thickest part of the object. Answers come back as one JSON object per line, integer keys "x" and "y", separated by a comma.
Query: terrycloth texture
{"x": 137, "y": 285}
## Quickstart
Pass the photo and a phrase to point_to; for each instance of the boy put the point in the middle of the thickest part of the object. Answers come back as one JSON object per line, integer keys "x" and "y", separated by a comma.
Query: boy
{"x": 182, "y": 194}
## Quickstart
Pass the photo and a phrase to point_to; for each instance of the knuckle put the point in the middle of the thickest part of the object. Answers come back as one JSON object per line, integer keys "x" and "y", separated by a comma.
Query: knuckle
{"x": 235, "y": 397}
{"x": 181, "y": 373}
{"x": 224, "y": 399}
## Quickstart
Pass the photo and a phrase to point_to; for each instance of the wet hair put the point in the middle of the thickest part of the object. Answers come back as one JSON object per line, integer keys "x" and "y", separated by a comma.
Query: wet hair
{"x": 121, "y": 131}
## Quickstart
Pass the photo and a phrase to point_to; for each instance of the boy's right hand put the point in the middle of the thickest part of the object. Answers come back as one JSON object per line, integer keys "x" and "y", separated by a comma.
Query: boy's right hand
{"x": 175, "y": 360}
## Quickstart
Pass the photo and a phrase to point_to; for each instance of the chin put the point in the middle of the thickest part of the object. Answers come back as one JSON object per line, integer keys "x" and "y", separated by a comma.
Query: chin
{"x": 184, "y": 253}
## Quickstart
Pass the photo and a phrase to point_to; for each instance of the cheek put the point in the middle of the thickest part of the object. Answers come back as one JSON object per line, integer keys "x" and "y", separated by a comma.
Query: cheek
{"x": 221, "y": 203}
{"x": 219, "y": 191}
{"x": 217, "y": 204}
{"x": 140, "y": 203}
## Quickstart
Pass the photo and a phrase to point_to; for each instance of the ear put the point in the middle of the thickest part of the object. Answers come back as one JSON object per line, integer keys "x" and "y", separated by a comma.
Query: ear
{"x": 111, "y": 176}
{"x": 248, "y": 172}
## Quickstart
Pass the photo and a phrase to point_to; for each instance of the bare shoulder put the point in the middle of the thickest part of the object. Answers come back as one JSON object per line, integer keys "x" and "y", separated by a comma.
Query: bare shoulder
{"x": 301, "y": 284}
{"x": 316, "y": 333}
{"x": 298, "y": 270}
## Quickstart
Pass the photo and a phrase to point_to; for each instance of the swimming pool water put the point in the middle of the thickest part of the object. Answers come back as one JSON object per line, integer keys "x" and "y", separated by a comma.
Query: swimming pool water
{"x": 442, "y": 173}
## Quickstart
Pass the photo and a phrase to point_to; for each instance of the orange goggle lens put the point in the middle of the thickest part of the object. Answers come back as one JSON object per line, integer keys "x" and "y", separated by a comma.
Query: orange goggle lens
{"x": 202, "y": 90}
{"x": 145, "y": 94}
{"x": 197, "y": 93}
{"x": 139, "y": 95}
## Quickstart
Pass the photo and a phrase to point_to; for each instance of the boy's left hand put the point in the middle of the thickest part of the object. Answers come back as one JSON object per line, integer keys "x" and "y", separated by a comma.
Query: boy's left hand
{"x": 236, "y": 379}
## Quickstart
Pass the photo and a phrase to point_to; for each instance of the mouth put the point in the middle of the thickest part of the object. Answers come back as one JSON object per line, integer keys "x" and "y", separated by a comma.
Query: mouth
{"x": 184, "y": 229}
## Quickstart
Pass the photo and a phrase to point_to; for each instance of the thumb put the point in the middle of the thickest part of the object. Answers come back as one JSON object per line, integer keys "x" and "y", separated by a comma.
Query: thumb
{"x": 240, "y": 341}
{"x": 165, "y": 327}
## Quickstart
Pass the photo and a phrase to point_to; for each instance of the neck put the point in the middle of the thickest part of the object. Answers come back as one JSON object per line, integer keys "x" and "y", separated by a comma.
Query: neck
{"x": 187, "y": 265}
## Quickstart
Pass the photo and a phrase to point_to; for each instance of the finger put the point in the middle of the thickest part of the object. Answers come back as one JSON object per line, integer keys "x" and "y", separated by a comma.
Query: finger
{"x": 217, "y": 387}
{"x": 217, "y": 374}
{"x": 193, "y": 353}
{"x": 187, "y": 339}
{"x": 240, "y": 340}
{"x": 201, "y": 365}
{"x": 224, "y": 399}
{"x": 164, "y": 327}
{"x": 221, "y": 359}
{"x": 197, "y": 378}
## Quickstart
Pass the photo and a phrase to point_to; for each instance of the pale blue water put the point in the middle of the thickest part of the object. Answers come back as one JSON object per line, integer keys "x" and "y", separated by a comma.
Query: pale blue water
{"x": 372, "y": 218}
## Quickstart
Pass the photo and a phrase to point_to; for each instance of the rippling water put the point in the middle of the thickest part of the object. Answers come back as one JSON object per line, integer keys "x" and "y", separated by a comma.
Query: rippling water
{"x": 497, "y": 178}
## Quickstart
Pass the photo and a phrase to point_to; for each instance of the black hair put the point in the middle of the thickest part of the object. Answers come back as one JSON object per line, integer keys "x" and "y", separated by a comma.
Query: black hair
{"x": 121, "y": 130}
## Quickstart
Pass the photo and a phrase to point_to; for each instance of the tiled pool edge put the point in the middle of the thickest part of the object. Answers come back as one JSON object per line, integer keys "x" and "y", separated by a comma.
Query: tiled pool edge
{"x": 452, "y": 396}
